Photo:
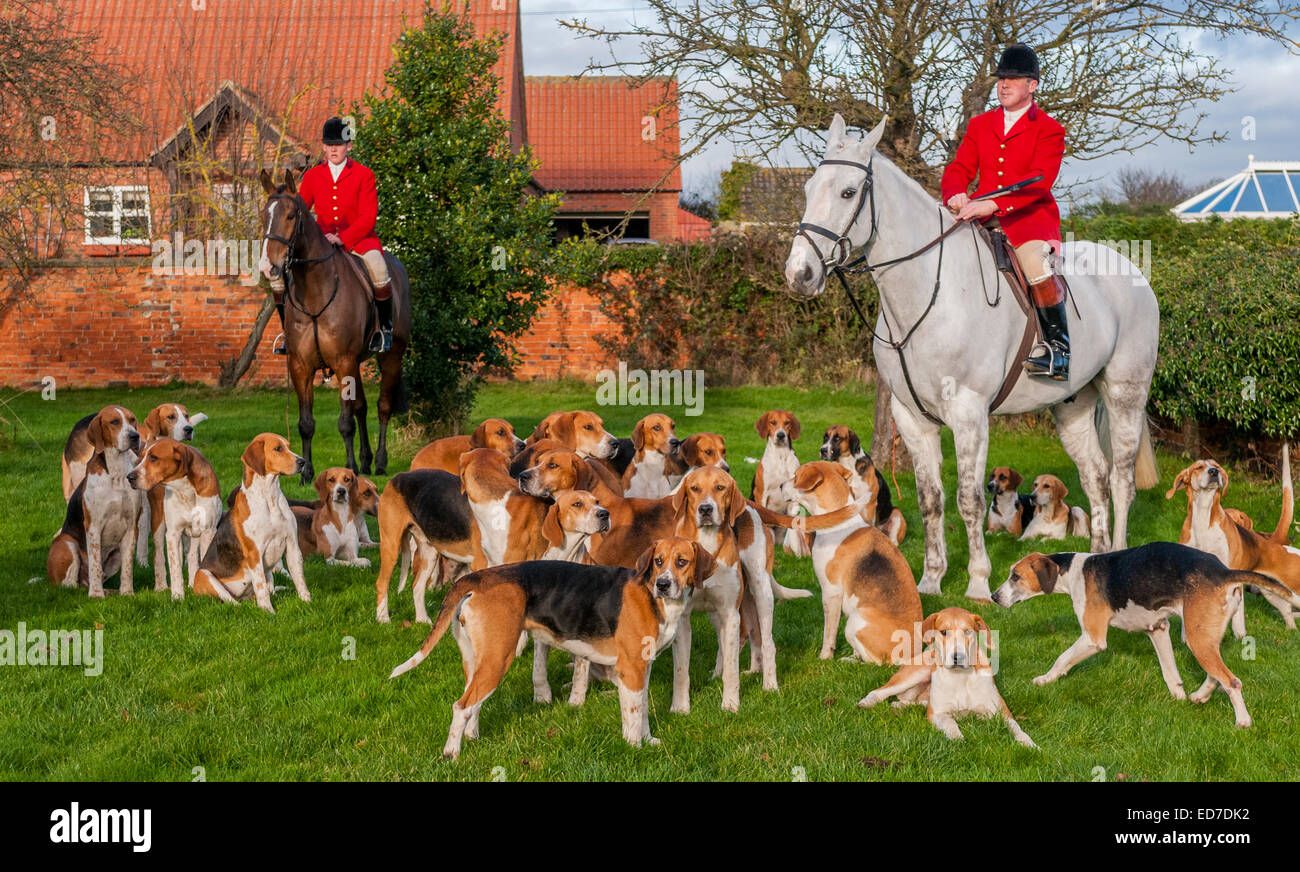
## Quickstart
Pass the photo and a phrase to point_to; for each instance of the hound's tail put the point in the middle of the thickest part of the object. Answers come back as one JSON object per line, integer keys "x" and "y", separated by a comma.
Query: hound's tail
{"x": 459, "y": 591}
{"x": 1282, "y": 535}
{"x": 787, "y": 593}
{"x": 801, "y": 523}
{"x": 1266, "y": 583}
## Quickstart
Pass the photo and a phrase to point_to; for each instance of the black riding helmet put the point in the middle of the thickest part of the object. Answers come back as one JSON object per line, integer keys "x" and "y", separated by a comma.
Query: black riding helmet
{"x": 335, "y": 132}
{"x": 1018, "y": 62}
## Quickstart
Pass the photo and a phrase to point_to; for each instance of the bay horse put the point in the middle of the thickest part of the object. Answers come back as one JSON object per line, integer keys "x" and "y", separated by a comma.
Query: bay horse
{"x": 328, "y": 317}
{"x": 944, "y": 346}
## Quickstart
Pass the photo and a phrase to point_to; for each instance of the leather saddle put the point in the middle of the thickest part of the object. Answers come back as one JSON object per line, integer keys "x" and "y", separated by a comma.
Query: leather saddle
{"x": 1004, "y": 256}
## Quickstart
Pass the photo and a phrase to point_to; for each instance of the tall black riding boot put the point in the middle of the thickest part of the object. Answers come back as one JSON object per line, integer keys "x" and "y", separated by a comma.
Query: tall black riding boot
{"x": 383, "y": 338}
{"x": 1053, "y": 354}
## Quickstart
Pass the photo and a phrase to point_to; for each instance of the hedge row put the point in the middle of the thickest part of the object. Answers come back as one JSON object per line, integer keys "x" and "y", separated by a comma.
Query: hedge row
{"x": 1229, "y": 298}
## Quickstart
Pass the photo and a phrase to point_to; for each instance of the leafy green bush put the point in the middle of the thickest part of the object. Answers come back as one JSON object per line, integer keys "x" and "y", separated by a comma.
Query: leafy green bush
{"x": 451, "y": 208}
{"x": 1229, "y": 305}
{"x": 719, "y": 305}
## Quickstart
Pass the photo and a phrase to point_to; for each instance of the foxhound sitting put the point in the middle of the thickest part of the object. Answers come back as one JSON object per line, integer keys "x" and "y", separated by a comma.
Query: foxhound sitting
{"x": 365, "y": 501}
{"x": 331, "y": 529}
{"x": 444, "y": 454}
{"x": 778, "y": 429}
{"x": 860, "y": 569}
{"x": 99, "y": 528}
{"x": 1009, "y": 510}
{"x": 171, "y": 421}
{"x": 1229, "y": 535}
{"x": 610, "y": 615}
{"x": 955, "y": 677}
{"x": 841, "y": 445}
{"x": 1052, "y": 518}
{"x": 258, "y": 530}
{"x": 1138, "y": 589}
{"x": 191, "y": 506}
{"x": 656, "y": 467}
{"x": 424, "y": 511}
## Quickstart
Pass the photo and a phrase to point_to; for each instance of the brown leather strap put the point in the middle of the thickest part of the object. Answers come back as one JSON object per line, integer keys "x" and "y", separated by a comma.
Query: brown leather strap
{"x": 1017, "y": 281}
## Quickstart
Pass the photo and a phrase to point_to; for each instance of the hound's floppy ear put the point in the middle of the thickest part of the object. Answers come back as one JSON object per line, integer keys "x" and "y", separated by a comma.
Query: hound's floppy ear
{"x": 679, "y": 498}
{"x": 95, "y": 431}
{"x": 1048, "y": 572}
{"x": 1182, "y": 480}
{"x": 705, "y": 563}
{"x": 763, "y": 425}
{"x": 1061, "y": 491}
{"x": 738, "y": 504}
{"x": 288, "y": 182}
{"x": 927, "y": 632}
{"x": 643, "y": 564}
{"x": 476, "y": 438}
{"x": 983, "y": 638}
{"x": 638, "y": 435}
{"x": 561, "y": 430}
{"x": 863, "y": 465}
{"x": 807, "y": 477}
{"x": 153, "y": 424}
{"x": 855, "y": 444}
{"x": 319, "y": 485}
{"x": 795, "y": 428}
{"x": 461, "y": 463}
{"x": 1016, "y": 480}
{"x": 551, "y": 526}
{"x": 268, "y": 184}
{"x": 690, "y": 449}
{"x": 1224, "y": 473}
{"x": 254, "y": 457}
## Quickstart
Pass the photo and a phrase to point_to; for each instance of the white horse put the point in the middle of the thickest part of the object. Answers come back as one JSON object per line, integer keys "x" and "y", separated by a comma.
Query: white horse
{"x": 961, "y": 347}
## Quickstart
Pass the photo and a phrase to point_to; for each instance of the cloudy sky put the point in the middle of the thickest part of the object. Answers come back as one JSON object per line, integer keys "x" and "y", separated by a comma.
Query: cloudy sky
{"x": 1264, "y": 74}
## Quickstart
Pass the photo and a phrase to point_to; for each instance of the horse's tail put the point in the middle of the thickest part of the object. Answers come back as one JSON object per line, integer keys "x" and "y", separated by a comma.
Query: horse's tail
{"x": 1145, "y": 473}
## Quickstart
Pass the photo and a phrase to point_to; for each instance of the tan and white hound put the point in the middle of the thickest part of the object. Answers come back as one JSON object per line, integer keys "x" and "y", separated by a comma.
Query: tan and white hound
{"x": 191, "y": 506}
{"x": 257, "y": 532}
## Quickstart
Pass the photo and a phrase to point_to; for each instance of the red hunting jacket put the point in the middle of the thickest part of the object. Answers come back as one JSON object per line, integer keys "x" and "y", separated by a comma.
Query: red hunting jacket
{"x": 1034, "y": 145}
{"x": 347, "y": 207}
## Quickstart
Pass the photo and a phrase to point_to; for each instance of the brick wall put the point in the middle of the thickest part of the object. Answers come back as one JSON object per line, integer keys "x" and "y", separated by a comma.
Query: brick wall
{"x": 116, "y": 323}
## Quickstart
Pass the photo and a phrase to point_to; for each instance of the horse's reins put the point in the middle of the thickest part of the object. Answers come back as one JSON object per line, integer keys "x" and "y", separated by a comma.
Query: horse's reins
{"x": 291, "y": 258}
{"x": 843, "y": 247}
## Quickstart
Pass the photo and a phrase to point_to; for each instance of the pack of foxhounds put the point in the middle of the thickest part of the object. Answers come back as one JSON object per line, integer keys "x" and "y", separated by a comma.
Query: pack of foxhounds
{"x": 602, "y": 546}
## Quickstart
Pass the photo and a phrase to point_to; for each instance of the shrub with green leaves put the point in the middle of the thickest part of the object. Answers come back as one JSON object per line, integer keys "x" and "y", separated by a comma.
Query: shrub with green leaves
{"x": 452, "y": 209}
{"x": 1229, "y": 303}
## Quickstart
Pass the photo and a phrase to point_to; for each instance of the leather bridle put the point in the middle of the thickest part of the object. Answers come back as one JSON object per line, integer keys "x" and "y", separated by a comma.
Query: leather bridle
{"x": 839, "y": 264}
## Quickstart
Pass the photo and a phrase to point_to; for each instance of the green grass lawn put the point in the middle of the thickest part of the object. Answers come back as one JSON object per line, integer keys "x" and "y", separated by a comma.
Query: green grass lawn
{"x": 247, "y": 695}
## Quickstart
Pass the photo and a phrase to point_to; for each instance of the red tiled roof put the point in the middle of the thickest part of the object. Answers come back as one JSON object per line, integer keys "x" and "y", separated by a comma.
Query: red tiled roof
{"x": 589, "y": 133}
{"x": 178, "y": 56}
{"x": 691, "y": 226}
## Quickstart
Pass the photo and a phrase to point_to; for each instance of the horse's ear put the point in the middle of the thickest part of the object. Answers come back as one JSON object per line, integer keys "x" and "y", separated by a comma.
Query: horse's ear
{"x": 876, "y": 134}
{"x": 835, "y": 135}
{"x": 288, "y": 182}
{"x": 268, "y": 184}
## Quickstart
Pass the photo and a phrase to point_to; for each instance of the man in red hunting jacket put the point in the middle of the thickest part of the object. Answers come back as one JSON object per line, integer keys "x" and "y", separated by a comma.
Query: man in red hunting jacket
{"x": 343, "y": 194}
{"x": 1014, "y": 142}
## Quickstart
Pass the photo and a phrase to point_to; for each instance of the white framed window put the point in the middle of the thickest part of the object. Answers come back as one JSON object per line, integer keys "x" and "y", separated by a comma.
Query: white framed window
{"x": 117, "y": 215}
{"x": 230, "y": 197}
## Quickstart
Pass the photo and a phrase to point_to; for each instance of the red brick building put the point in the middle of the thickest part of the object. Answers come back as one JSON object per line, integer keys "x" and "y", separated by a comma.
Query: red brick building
{"x": 254, "y": 80}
